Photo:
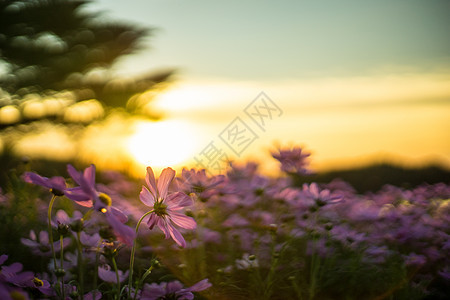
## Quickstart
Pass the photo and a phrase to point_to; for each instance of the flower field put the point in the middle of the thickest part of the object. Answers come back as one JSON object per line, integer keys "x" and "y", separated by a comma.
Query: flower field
{"x": 242, "y": 235}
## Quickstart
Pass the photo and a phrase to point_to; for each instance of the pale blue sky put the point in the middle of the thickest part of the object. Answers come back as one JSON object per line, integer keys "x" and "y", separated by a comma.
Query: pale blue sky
{"x": 262, "y": 39}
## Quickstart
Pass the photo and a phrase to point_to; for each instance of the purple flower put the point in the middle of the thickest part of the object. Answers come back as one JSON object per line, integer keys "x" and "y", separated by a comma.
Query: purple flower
{"x": 198, "y": 182}
{"x": 165, "y": 207}
{"x": 293, "y": 160}
{"x": 72, "y": 290}
{"x": 56, "y": 185}
{"x": 322, "y": 197}
{"x": 41, "y": 245}
{"x": 106, "y": 274}
{"x": 172, "y": 290}
{"x": 13, "y": 274}
{"x": 87, "y": 195}
{"x": 12, "y": 293}
{"x": 43, "y": 286}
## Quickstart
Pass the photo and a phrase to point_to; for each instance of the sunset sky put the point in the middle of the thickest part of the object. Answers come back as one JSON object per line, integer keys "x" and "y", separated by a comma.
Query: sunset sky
{"x": 355, "y": 81}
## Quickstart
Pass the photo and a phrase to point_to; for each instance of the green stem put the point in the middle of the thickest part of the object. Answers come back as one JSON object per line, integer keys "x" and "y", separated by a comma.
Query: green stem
{"x": 117, "y": 276}
{"x": 273, "y": 264}
{"x": 97, "y": 257}
{"x": 61, "y": 243}
{"x": 133, "y": 250}
{"x": 50, "y": 230}
{"x": 142, "y": 280}
{"x": 80, "y": 264}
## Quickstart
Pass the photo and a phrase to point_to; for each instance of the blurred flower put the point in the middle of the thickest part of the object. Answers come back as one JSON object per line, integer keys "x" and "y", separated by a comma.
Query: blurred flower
{"x": 106, "y": 274}
{"x": 293, "y": 160}
{"x": 172, "y": 290}
{"x": 56, "y": 185}
{"x": 192, "y": 181}
{"x": 247, "y": 262}
{"x": 13, "y": 274}
{"x": 414, "y": 259}
{"x": 86, "y": 194}
{"x": 235, "y": 220}
{"x": 43, "y": 286}
{"x": 12, "y": 293}
{"x": 41, "y": 246}
{"x": 322, "y": 197}
{"x": 72, "y": 293}
{"x": 165, "y": 206}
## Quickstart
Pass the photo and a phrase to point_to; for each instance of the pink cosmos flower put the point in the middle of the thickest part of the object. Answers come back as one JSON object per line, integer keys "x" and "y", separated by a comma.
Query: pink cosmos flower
{"x": 40, "y": 244}
{"x": 293, "y": 160}
{"x": 87, "y": 195}
{"x": 172, "y": 290}
{"x": 165, "y": 207}
{"x": 321, "y": 197}
{"x": 193, "y": 181}
{"x": 56, "y": 185}
{"x": 106, "y": 274}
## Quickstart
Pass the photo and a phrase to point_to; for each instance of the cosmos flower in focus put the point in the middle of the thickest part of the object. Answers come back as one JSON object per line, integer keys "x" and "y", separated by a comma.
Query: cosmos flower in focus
{"x": 166, "y": 207}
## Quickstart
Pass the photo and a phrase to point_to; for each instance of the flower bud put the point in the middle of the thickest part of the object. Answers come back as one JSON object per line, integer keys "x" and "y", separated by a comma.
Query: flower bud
{"x": 273, "y": 228}
{"x": 63, "y": 229}
{"x": 77, "y": 225}
{"x": 74, "y": 295}
{"x": 60, "y": 273}
{"x": 57, "y": 192}
{"x": 156, "y": 264}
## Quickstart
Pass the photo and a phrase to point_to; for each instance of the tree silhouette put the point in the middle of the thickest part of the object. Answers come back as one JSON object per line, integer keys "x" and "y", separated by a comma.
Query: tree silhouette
{"x": 47, "y": 46}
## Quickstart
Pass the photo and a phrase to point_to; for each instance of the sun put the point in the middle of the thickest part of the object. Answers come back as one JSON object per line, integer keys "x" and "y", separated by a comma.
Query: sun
{"x": 163, "y": 144}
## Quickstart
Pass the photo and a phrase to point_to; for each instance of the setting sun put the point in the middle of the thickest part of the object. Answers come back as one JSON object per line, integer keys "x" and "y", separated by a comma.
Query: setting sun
{"x": 165, "y": 143}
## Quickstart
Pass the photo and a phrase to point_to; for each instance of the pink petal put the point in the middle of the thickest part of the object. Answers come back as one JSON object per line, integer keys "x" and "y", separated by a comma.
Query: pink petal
{"x": 29, "y": 243}
{"x": 146, "y": 197}
{"x": 119, "y": 214}
{"x": 178, "y": 200}
{"x": 62, "y": 217}
{"x": 88, "y": 203}
{"x": 89, "y": 175}
{"x": 151, "y": 181}
{"x": 176, "y": 236}
{"x": 34, "y": 178}
{"x": 124, "y": 233}
{"x": 74, "y": 173}
{"x": 152, "y": 221}
{"x": 200, "y": 286}
{"x": 162, "y": 224}
{"x": 164, "y": 180}
{"x": 43, "y": 238}
{"x": 183, "y": 220}
{"x": 314, "y": 189}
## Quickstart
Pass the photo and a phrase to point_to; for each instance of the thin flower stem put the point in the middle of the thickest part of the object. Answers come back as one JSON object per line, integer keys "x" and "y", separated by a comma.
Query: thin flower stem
{"x": 50, "y": 231}
{"x": 97, "y": 257}
{"x": 80, "y": 264}
{"x": 117, "y": 276}
{"x": 133, "y": 250}
{"x": 142, "y": 280}
{"x": 61, "y": 243}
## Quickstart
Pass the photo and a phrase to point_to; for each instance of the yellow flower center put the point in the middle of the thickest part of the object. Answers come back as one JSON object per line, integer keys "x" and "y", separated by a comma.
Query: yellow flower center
{"x": 37, "y": 282}
{"x": 105, "y": 199}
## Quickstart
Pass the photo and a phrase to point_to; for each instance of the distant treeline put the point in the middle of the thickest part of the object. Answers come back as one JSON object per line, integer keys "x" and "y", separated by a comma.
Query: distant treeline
{"x": 372, "y": 178}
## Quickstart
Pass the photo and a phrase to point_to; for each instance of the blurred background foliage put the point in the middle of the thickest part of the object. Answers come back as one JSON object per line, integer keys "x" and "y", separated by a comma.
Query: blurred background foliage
{"x": 56, "y": 62}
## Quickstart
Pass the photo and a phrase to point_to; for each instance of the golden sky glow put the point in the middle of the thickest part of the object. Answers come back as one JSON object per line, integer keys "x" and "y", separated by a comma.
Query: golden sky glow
{"x": 344, "y": 122}
{"x": 357, "y": 83}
